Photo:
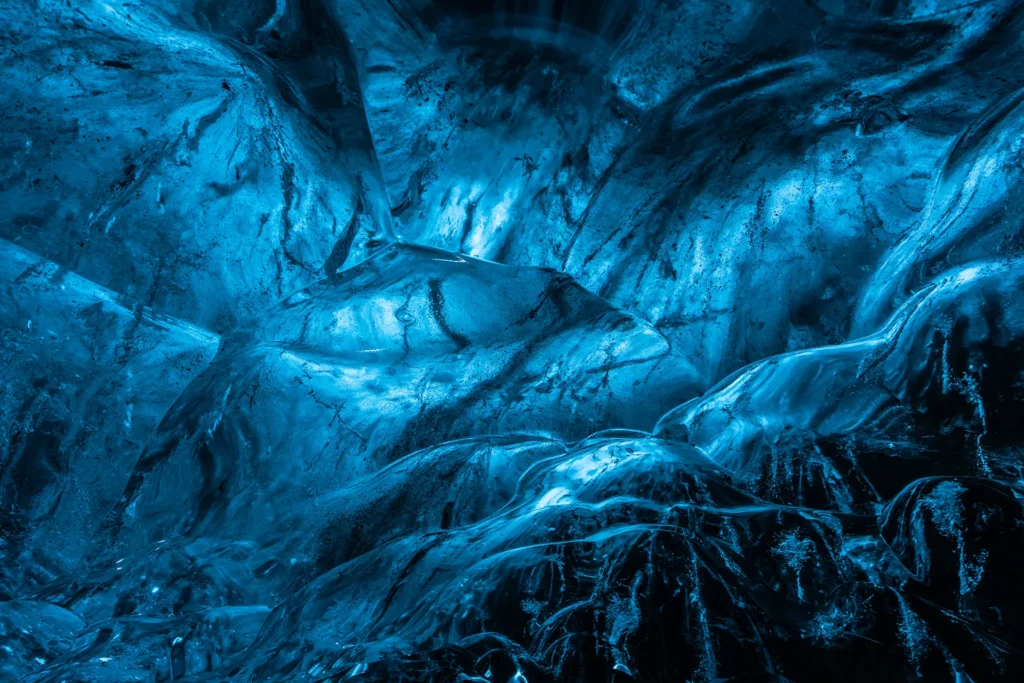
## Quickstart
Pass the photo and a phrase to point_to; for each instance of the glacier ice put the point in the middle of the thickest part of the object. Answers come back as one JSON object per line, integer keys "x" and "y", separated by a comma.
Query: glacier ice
{"x": 511, "y": 341}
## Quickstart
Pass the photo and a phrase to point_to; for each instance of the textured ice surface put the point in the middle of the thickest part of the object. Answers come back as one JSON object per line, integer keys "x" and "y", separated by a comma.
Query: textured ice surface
{"x": 491, "y": 342}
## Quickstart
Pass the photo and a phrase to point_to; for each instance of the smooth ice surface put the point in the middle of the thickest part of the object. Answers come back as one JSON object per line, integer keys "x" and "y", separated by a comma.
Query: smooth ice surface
{"x": 511, "y": 342}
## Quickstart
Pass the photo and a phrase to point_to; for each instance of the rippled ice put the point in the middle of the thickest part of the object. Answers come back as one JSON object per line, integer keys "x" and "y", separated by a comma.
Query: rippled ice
{"x": 511, "y": 341}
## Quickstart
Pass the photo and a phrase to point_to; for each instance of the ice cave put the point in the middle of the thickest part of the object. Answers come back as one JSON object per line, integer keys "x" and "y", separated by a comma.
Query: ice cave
{"x": 512, "y": 341}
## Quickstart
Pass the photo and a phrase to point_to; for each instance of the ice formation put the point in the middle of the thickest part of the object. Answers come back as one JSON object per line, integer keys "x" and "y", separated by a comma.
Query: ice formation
{"x": 511, "y": 341}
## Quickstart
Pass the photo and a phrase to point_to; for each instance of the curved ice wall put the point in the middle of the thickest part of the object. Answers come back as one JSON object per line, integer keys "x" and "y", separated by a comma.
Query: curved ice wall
{"x": 521, "y": 341}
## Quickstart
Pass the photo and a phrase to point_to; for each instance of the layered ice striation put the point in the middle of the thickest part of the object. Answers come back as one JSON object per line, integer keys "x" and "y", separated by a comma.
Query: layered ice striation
{"x": 511, "y": 342}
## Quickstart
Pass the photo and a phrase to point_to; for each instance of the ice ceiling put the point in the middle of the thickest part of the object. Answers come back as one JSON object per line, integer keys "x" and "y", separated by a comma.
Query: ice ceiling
{"x": 511, "y": 342}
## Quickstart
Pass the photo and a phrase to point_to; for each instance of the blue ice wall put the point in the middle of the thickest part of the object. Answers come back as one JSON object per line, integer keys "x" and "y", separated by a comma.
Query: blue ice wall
{"x": 511, "y": 341}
